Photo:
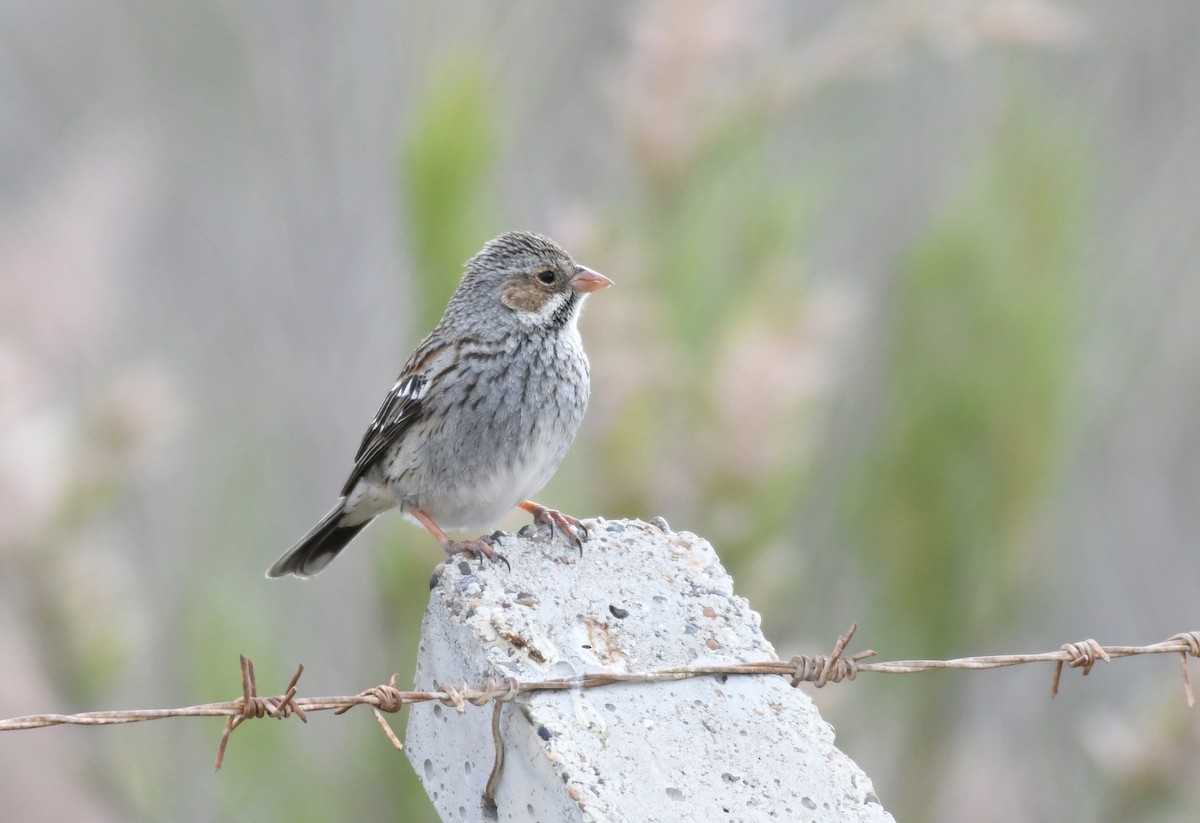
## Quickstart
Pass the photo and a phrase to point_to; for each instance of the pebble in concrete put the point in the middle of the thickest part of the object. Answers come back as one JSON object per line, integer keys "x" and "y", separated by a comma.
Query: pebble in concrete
{"x": 640, "y": 598}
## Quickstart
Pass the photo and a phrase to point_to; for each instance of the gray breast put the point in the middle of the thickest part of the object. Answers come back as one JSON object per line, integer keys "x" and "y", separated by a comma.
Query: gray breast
{"x": 511, "y": 415}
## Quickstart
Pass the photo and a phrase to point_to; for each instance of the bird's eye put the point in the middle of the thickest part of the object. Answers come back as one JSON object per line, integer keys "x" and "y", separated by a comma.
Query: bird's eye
{"x": 547, "y": 277}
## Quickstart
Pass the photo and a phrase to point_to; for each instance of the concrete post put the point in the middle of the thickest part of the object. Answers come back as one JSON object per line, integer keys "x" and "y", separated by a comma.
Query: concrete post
{"x": 641, "y": 597}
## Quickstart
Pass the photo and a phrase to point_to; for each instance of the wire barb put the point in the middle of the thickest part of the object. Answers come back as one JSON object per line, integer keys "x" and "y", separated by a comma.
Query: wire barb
{"x": 1191, "y": 642}
{"x": 251, "y": 706}
{"x": 819, "y": 669}
{"x": 453, "y": 698}
{"x": 1081, "y": 655}
{"x": 382, "y": 698}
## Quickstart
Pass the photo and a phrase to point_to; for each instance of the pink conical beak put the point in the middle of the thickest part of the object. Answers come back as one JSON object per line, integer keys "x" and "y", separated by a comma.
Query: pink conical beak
{"x": 586, "y": 280}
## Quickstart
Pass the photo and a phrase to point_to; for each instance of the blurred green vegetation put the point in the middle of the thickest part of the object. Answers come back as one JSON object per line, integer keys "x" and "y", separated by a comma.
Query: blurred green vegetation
{"x": 720, "y": 240}
{"x": 445, "y": 164}
{"x": 976, "y": 359}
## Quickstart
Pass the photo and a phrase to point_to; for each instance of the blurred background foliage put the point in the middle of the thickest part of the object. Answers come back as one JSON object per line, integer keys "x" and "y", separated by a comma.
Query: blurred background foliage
{"x": 905, "y": 323}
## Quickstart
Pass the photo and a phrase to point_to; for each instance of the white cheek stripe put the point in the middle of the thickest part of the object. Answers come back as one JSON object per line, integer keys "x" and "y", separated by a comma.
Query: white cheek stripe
{"x": 536, "y": 318}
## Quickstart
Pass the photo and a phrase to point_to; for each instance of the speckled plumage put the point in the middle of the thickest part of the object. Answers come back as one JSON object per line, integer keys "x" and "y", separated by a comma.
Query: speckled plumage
{"x": 483, "y": 412}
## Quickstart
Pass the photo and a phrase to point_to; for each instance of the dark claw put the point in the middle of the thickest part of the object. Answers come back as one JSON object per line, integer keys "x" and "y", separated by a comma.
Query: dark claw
{"x": 488, "y": 543}
{"x": 481, "y": 548}
{"x": 575, "y": 531}
{"x": 494, "y": 555}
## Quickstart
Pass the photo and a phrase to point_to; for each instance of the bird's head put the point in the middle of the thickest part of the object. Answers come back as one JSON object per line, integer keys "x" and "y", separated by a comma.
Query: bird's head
{"x": 527, "y": 279}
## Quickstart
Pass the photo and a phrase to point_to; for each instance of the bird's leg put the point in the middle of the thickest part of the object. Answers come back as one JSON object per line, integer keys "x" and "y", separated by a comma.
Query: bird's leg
{"x": 481, "y": 547}
{"x": 575, "y": 531}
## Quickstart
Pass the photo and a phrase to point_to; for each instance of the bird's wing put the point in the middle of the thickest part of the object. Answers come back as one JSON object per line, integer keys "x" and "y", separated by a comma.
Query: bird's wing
{"x": 400, "y": 408}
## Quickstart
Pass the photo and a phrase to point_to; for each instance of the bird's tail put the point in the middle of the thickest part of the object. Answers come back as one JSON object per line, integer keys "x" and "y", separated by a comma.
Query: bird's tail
{"x": 314, "y": 551}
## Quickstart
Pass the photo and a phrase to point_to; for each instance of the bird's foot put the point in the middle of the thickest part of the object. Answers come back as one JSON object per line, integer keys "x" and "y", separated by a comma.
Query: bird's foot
{"x": 572, "y": 527}
{"x": 482, "y": 547}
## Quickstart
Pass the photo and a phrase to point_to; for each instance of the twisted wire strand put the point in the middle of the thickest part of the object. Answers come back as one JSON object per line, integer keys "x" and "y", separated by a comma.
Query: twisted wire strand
{"x": 819, "y": 670}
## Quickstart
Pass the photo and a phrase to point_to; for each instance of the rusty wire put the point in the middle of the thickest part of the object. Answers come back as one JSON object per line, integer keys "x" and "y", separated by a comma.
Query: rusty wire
{"x": 816, "y": 669}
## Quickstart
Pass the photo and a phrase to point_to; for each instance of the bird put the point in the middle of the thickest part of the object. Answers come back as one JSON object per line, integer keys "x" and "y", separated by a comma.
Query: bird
{"x": 482, "y": 413}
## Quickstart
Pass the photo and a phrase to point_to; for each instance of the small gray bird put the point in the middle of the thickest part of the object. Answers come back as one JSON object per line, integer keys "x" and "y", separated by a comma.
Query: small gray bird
{"x": 483, "y": 412}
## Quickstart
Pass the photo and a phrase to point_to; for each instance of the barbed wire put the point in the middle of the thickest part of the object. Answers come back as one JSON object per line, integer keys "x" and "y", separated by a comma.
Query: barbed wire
{"x": 386, "y": 698}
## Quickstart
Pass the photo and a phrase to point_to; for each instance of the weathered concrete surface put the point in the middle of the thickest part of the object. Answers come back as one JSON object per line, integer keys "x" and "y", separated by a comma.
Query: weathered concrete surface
{"x": 640, "y": 598}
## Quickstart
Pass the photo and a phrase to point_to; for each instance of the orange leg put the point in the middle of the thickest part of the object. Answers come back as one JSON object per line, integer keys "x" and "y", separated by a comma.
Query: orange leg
{"x": 479, "y": 548}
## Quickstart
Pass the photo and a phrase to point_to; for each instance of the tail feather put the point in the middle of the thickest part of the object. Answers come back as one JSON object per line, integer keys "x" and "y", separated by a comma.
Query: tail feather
{"x": 314, "y": 551}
